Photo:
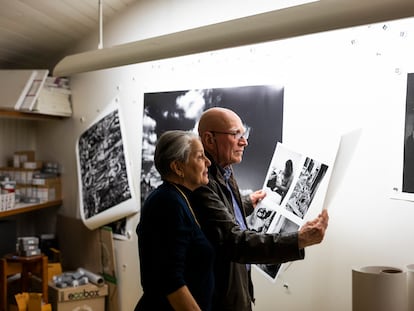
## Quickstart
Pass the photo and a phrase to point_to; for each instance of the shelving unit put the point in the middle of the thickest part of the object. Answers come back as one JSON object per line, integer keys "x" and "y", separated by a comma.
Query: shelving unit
{"x": 13, "y": 114}
{"x": 25, "y": 208}
{"x": 34, "y": 92}
{"x": 18, "y": 130}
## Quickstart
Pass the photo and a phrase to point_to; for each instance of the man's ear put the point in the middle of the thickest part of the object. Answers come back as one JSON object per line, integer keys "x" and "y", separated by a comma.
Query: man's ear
{"x": 208, "y": 139}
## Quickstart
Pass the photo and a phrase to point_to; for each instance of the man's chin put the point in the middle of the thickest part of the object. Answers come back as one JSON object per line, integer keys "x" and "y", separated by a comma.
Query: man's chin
{"x": 237, "y": 160}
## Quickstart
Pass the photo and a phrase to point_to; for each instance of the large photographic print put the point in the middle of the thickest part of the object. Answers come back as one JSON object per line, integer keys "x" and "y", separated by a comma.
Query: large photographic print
{"x": 291, "y": 184}
{"x": 260, "y": 108}
{"x": 104, "y": 183}
{"x": 408, "y": 168}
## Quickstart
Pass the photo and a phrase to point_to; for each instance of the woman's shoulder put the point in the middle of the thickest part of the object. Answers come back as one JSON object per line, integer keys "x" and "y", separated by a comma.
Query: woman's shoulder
{"x": 163, "y": 195}
{"x": 165, "y": 191}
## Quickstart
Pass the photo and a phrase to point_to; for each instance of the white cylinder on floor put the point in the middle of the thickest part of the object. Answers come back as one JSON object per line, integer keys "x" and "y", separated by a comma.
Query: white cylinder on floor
{"x": 410, "y": 287}
{"x": 379, "y": 288}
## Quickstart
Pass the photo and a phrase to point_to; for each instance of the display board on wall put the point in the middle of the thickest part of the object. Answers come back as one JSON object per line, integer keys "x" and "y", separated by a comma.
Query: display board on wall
{"x": 105, "y": 186}
{"x": 260, "y": 108}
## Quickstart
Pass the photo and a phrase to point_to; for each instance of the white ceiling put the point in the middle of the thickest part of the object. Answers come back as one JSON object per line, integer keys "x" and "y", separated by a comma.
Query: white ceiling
{"x": 35, "y": 33}
{"x": 38, "y": 33}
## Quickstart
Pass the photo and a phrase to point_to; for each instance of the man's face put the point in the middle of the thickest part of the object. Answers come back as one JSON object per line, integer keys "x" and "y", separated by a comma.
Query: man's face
{"x": 230, "y": 143}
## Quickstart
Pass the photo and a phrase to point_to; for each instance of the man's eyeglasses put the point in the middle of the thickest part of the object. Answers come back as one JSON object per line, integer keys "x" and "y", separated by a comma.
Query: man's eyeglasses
{"x": 236, "y": 135}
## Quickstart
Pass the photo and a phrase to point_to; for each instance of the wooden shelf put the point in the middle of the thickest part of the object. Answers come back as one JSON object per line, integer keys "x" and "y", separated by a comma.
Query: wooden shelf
{"x": 14, "y": 114}
{"x": 25, "y": 208}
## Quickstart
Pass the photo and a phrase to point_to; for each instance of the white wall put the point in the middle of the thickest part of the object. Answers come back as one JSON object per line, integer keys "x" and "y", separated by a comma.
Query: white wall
{"x": 334, "y": 82}
{"x": 15, "y": 135}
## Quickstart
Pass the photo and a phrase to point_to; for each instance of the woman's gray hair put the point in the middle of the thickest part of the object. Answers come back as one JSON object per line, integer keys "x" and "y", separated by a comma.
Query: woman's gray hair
{"x": 172, "y": 146}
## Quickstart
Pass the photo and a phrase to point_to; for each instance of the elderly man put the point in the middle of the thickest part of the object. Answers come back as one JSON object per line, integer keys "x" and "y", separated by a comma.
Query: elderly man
{"x": 221, "y": 211}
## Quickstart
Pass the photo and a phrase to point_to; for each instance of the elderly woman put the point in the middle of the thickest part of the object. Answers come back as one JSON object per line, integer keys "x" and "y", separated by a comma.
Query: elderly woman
{"x": 176, "y": 259}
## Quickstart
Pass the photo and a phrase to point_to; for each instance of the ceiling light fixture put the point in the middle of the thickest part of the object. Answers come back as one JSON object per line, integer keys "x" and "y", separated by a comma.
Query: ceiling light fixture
{"x": 294, "y": 21}
{"x": 100, "y": 44}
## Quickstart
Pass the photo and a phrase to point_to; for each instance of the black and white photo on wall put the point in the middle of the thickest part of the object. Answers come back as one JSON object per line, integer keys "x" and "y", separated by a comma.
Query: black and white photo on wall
{"x": 408, "y": 165}
{"x": 105, "y": 188}
{"x": 259, "y": 106}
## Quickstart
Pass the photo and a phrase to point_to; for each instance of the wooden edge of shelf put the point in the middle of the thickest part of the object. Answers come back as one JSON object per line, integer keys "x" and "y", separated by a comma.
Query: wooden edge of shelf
{"x": 25, "y": 208}
{"x": 13, "y": 114}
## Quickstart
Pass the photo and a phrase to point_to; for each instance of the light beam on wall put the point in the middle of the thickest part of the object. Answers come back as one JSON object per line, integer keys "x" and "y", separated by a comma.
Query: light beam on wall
{"x": 304, "y": 19}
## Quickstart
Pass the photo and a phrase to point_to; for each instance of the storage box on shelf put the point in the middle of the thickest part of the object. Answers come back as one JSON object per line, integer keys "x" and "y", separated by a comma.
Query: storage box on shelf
{"x": 31, "y": 92}
{"x": 53, "y": 101}
{"x": 7, "y": 193}
{"x": 33, "y": 182}
{"x": 24, "y": 156}
{"x": 31, "y": 187}
{"x": 7, "y": 201}
{"x": 46, "y": 187}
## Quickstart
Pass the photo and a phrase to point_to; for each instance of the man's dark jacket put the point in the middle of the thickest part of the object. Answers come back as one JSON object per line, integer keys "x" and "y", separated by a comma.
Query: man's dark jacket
{"x": 235, "y": 247}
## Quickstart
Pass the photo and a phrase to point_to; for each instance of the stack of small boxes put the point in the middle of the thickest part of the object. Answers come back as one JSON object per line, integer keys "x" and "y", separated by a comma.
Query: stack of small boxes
{"x": 35, "y": 181}
{"x": 7, "y": 193}
{"x": 28, "y": 246}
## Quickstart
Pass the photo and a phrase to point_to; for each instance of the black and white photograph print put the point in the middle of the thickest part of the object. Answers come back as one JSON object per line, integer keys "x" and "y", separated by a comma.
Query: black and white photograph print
{"x": 408, "y": 165}
{"x": 260, "y": 219}
{"x": 260, "y": 107}
{"x": 284, "y": 211}
{"x": 270, "y": 270}
{"x": 118, "y": 228}
{"x": 305, "y": 188}
{"x": 283, "y": 168}
{"x": 282, "y": 225}
{"x": 103, "y": 176}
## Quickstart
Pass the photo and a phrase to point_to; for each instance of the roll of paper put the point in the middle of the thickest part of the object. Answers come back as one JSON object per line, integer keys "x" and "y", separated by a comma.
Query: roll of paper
{"x": 410, "y": 287}
{"x": 378, "y": 288}
{"x": 92, "y": 277}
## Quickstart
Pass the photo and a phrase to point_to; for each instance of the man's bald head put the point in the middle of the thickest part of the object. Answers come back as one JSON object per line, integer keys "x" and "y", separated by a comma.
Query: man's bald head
{"x": 218, "y": 128}
{"x": 217, "y": 119}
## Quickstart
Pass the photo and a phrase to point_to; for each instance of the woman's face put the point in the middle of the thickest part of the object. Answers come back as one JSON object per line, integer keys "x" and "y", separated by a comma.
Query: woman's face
{"x": 196, "y": 169}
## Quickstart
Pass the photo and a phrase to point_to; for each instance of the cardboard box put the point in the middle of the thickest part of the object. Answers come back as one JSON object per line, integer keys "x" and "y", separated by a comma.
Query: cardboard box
{"x": 36, "y": 304}
{"x": 53, "y": 268}
{"x": 33, "y": 165}
{"x": 22, "y": 176}
{"x": 47, "y": 189}
{"x": 21, "y": 302}
{"x": 20, "y": 157}
{"x": 29, "y": 302}
{"x": 54, "y": 101}
{"x": 85, "y": 297}
{"x": 7, "y": 201}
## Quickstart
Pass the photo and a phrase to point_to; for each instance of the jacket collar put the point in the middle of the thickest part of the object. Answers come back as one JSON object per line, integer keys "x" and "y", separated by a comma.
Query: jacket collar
{"x": 218, "y": 171}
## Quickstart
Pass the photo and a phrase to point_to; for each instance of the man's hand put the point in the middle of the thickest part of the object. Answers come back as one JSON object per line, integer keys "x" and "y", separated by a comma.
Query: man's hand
{"x": 257, "y": 196}
{"x": 312, "y": 232}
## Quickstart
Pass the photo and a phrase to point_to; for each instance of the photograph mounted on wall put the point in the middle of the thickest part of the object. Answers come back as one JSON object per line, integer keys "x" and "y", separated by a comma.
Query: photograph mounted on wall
{"x": 408, "y": 165}
{"x": 104, "y": 179}
{"x": 259, "y": 106}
